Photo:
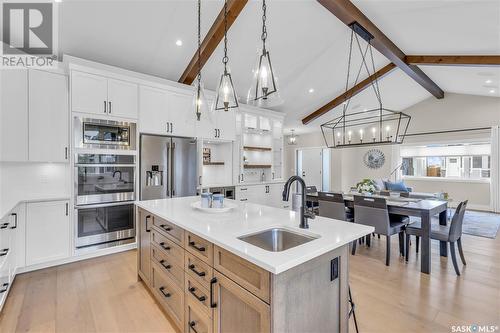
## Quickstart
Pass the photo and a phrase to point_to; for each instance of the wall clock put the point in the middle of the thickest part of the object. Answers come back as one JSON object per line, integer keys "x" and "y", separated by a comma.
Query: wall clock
{"x": 374, "y": 158}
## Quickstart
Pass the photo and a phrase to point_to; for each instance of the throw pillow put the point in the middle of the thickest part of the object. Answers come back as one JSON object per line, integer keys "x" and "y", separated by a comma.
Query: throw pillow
{"x": 396, "y": 187}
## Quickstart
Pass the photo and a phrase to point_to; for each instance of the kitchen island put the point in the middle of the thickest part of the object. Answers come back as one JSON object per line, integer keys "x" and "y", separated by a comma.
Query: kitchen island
{"x": 248, "y": 270}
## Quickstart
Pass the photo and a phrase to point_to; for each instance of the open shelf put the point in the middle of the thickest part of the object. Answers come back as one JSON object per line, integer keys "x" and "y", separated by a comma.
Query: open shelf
{"x": 257, "y": 148}
{"x": 256, "y": 166}
{"x": 213, "y": 163}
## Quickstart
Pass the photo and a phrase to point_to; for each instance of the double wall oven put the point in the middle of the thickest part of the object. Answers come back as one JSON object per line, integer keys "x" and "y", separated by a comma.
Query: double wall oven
{"x": 104, "y": 184}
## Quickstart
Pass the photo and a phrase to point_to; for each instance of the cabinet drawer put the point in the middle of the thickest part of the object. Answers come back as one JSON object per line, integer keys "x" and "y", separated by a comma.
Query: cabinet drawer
{"x": 196, "y": 320}
{"x": 170, "y": 229}
{"x": 172, "y": 250}
{"x": 170, "y": 297}
{"x": 198, "y": 269}
{"x": 249, "y": 276}
{"x": 198, "y": 294}
{"x": 169, "y": 266}
{"x": 200, "y": 247}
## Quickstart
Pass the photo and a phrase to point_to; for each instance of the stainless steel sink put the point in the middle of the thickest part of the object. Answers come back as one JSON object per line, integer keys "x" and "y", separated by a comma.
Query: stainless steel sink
{"x": 277, "y": 239}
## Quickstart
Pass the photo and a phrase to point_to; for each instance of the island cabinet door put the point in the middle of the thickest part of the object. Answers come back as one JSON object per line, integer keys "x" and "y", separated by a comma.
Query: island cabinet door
{"x": 236, "y": 309}
{"x": 144, "y": 257}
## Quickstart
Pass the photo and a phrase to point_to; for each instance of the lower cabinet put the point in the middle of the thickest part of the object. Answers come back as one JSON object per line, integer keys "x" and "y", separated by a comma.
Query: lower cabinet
{"x": 198, "y": 298}
{"x": 237, "y": 310}
{"x": 144, "y": 244}
{"x": 47, "y": 231}
{"x": 262, "y": 194}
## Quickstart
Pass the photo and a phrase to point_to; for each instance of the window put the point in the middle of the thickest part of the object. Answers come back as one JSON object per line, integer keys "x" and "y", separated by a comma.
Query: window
{"x": 466, "y": 161}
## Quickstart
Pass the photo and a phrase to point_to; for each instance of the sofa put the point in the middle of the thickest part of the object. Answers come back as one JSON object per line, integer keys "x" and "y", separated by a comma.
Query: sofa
{"x": 398, "y": 187}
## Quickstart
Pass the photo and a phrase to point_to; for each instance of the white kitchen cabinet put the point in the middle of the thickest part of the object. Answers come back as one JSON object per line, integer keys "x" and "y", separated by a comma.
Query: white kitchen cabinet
{"x": 96, "y": 94}
{"x": 275, "y": 195}
{"x": 181, "y": 114}
{"x": 122, "y": 99}
{"x": 165, "y": 112}
{"x": 48, "y": 117}
{"x": 262, "y": 194}
{"x": 47, "y": 231}
{"x": 226, "y": 124}
{"x": 89, "y": 93}
{"x": 14, "y": 115}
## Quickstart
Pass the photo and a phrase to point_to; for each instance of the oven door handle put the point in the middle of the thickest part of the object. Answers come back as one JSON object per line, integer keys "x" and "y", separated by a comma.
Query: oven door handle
{"x": 121, "y": 203}
{"x": 105, "y": 165}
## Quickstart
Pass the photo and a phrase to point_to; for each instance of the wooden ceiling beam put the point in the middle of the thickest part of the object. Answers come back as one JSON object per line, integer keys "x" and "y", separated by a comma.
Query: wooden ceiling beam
{"x": 212, "y": 39}
{"x": 349, "y": 93}
{"x": 454, "y": 60}
{"x": 348, "y": 13}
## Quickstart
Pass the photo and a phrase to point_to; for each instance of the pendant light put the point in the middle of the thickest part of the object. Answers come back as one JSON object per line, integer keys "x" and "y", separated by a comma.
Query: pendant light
{"x": 353, "y": 129}
{"x": 292, "y": 139}
{"x": 264, "y": 89}
{"x": 200, "y": 103}
{"x": 226, "y": 95}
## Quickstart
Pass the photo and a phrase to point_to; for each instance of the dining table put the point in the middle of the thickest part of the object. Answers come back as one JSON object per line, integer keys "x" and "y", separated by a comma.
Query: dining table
{"x": 424, "y": 209}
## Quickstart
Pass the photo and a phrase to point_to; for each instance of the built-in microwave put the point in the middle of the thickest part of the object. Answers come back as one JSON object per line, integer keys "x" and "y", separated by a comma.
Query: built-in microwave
{"x": 104, "y": 134}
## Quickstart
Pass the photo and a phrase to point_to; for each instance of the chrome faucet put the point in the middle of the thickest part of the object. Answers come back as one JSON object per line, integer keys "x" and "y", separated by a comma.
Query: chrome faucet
{"x": 304, "y": 214}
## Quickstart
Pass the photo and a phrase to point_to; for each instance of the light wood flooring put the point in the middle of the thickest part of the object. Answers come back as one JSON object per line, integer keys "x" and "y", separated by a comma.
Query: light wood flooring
{"x": 103, "y": 295}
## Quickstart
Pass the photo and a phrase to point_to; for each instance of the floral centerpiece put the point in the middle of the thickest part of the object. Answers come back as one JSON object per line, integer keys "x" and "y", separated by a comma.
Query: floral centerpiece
{"x": 366, "y": 186}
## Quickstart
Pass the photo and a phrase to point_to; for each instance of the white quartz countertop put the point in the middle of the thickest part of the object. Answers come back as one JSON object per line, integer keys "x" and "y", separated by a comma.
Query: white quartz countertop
{"x": 223, "y": 229}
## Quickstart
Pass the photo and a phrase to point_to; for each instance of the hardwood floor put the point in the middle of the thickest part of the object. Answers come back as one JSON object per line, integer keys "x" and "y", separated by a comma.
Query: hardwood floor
{"x": 103, "y": 295}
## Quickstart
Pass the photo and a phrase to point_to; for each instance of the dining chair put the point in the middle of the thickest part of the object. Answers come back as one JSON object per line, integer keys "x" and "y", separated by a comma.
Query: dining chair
{"x": 332, "y": 205}
{"x": 373, "y": 212}
{"x": 311, "y": 204}
{"x": 447, "y": 233}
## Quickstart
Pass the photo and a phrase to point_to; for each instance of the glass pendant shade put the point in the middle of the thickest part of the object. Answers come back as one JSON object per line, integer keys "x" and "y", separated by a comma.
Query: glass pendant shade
{"x": 226, "y": 95}
{"x": 264, "y": 89}
{"x": 200, "y": 103}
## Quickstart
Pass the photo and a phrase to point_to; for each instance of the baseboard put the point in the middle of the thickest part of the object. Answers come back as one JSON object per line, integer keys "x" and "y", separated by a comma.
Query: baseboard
{"x": 97, "y": 253}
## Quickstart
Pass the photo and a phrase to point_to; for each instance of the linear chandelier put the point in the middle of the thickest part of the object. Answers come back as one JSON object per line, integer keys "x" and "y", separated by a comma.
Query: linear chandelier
{"x": 377, "y": 126}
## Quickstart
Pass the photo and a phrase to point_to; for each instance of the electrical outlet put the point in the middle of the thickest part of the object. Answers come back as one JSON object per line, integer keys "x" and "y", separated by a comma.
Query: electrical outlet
{"x": 334, "y": 269}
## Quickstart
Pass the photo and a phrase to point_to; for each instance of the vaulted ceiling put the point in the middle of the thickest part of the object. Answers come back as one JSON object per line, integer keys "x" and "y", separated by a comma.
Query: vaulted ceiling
{"x": 308, "y": 45}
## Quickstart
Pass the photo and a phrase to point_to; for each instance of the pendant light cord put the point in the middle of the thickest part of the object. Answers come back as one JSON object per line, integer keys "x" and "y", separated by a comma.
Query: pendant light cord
{"x": 225, "y": 59}
{"x": 264, "y": 28}
{"x": 199, "y": 44}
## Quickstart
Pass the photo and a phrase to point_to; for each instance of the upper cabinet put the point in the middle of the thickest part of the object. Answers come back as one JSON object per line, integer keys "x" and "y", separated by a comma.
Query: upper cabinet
{"x": 48, "y": 117}
{"x": 14, "y": 116}
{"x": 34, "y": 102}
{"x": 97, "y": 94}
{"x": 165, "y": 112}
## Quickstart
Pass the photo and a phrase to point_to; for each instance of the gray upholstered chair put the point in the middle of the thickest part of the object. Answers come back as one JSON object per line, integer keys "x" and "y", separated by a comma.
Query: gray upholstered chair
{"x": 332, "y": 205}
{"x": 450, "y": 233}
{"x": 373, "y": 212}
{"x": 311, "y": 204}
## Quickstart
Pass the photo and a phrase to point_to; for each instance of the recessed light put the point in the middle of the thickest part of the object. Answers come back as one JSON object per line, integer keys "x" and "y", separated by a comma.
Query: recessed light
{"x": 311, "y": 90}
{"x": 488, "y": 81}
{"x": 492, "y": 91}
{"x": 178, "y": 42}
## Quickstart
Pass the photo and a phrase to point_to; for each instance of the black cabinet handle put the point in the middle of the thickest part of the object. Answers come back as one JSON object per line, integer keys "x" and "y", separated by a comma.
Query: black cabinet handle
{"x": 162, "y": 244}
{"x": 167, "y": 266}
{"x": 104, "y": 106}
{"x": 4, "y": 252}
{"x": 243, "y": 199}
{"x": 147, "y": 218}
{"x": 212, "y": 303}
{"x": 65, "y": 153}
{"x": 164, "y": 292}
{"x": 199, "y": 248}
{"x": 199, "y": 298}
{"x": 165, "y": 227}
{"x": 15, "y": 220}
{"x": 171, "y": 127}
{"x": 199, "y": 180}
{"x": 192, "y": 324}
{"x": 109, "y": 107}
{"x": 5, "y": 286}
{"x": 67, "y": 208}
{"x": 191, "y": 268}
{"x": 4, "y": 225}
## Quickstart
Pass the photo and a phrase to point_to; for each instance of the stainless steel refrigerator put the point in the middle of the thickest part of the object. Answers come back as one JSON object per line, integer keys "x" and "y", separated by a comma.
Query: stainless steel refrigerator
{"x": 168, "y": 167}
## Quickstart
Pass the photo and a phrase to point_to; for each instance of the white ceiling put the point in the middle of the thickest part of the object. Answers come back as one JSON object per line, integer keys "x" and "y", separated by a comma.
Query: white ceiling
{"x": 308, "y": 45}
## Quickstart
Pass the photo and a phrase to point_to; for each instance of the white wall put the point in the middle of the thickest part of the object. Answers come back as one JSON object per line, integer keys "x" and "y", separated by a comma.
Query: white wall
{"x": 455, "y": 111}
{"x": 23, "y": 181}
